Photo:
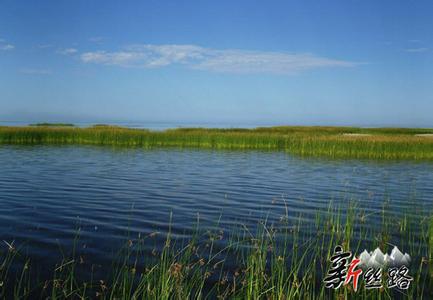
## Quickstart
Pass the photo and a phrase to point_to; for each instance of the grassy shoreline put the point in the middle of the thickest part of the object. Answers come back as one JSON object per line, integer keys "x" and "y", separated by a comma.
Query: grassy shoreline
{"x": 337, "y": 142}
{"x": 283, "y": 260}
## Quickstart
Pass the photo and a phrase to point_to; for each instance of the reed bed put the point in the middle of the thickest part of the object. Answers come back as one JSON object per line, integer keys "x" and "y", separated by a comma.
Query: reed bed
{"x": 274, "y": 260}
{"x": 338, "y": 142}
{"x": 53, "y": 124}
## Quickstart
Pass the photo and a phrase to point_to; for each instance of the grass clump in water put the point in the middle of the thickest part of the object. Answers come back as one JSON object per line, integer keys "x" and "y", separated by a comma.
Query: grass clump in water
{"x": 337, "y": 142}
{"x": 53, "y": 125}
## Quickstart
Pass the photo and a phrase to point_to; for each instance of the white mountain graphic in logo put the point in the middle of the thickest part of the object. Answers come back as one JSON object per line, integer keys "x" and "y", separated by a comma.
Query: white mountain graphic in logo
{"x": 377, "y": 259}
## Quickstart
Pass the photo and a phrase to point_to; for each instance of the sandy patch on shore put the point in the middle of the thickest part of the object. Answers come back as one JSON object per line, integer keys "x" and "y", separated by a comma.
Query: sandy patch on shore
{"x": 356, "y": 134}
{"x": 430, "y": 135}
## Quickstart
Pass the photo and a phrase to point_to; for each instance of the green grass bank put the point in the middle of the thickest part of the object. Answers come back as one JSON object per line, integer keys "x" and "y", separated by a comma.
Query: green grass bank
{"x": 338, "y": 142}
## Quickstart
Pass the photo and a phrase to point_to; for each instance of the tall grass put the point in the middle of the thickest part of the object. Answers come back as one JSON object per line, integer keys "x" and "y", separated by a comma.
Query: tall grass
{"x": 379, "y": 143}
{"x": 274, "y": 260}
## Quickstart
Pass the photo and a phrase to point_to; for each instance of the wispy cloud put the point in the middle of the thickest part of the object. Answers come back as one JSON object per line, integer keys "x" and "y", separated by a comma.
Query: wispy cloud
{"x": 67, "y": 51}
{"x": 229, "y": 61}
{"x": 417, "y": 50}
{"x": 44, "y": 46}
{"x": 36, "y": 71}
{"x": 6, "y": 46}
{"x": 96, "y": 39}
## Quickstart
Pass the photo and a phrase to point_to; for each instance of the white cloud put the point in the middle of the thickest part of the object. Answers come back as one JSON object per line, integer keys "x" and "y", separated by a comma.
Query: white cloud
{"x": 266, "y": 62}
{"x": 196, "y": 57}
{"x": 6, "y": 47}
{"x": 44, "y": 46}
{"x": 35, "y": 71}
{"x": 417, "y": 50}
{"x": 67, "y": 51}
{"x": 96, "y": 39}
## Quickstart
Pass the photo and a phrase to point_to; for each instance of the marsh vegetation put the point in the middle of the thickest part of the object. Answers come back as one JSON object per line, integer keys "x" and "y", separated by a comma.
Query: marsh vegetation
{"x": 274, "y": 260}
{"x": 285, "y": 256}
{"x": 52, "y": 125}
{"x": 344, "y": 142}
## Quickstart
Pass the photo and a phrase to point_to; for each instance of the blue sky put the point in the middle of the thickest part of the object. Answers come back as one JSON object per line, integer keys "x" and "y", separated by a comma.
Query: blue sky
{"x": 366, "y": 63}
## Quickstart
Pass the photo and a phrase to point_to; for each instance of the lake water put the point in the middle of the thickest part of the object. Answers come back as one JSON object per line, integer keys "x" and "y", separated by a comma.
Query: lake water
{"x": 48, "y": 192}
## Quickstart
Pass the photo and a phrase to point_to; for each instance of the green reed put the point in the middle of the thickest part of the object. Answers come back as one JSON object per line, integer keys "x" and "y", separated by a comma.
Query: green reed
{"x": 285, "y": 259}
{"x": 344, "y": 142}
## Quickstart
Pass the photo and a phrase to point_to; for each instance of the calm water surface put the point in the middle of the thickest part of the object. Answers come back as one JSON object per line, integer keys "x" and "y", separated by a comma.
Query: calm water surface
{"x": 47, "y": 193}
